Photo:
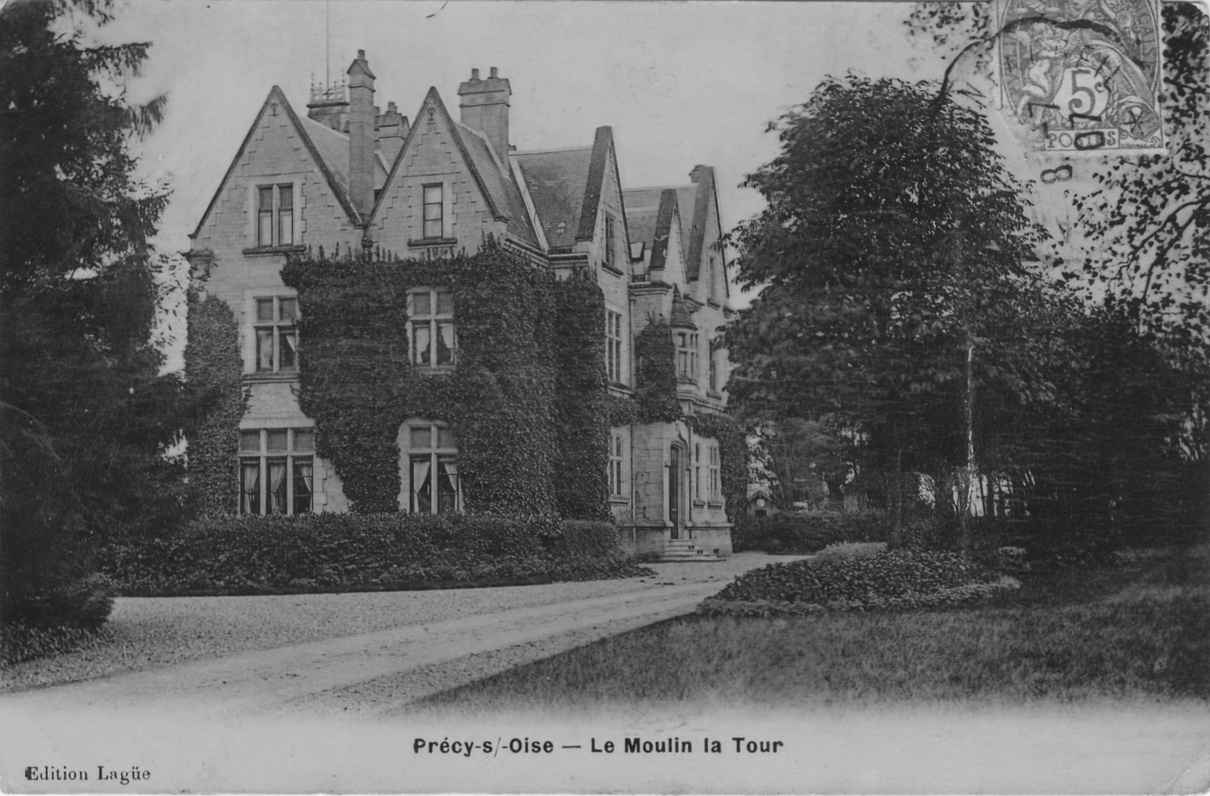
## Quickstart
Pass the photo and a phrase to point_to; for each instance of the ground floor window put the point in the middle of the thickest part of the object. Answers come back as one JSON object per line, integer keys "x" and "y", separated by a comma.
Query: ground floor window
{"x": 713, "y": 473}
{"x": 277, "y": 474}
{"x": 616, "y": 446}
{"x": 432, "y": 472}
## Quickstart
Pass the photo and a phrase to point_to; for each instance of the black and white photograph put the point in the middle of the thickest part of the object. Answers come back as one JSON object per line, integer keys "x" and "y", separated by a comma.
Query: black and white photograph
{"x": 589, "y": 396}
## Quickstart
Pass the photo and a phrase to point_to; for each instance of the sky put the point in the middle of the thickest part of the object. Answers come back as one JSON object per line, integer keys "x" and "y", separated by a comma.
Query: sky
{"x": 680, "y": 83}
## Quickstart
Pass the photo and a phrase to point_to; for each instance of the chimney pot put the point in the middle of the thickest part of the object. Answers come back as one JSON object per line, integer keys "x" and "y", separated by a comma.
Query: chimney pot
{"x": 493, "y": 73}
{"x": 474, "y": 74}
{"x": 361, "y": 54}
{"x": 391, "y": 108}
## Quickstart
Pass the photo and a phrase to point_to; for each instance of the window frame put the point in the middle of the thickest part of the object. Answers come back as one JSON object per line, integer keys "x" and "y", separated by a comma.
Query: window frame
{"x": 714, "y": 488}
{"x": 686, "y": 354}
{"x": 263, "y": 458}
{"x": 613, "y": 346}
{"x": 435, "y": 319}
{"x": 617, "y": 481}
{"x": 425, "y": 221}
{"x": 611, "y": 260}
{"x": 436, "y": 454}
{"x": 278, "y": 329}
{"x": 269, "y": 220}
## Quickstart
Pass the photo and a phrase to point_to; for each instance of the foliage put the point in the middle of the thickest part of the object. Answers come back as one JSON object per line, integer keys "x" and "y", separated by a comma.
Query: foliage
{"x": 582, "y": 401}
{"x": 80, "y": 287}
{"x": 800, "y": 454}
{"x": 360, "y": 387}
{"x": 20, "y": 642}
{"x": 214, "y": 365}
{"x": 655, "y": 374}
{"x": 733, "y": 457}
{"x": 892, "y": 254}
{"x": 843, "y": 551}
{"x": 862, "y": 580}
{"x": 807, "y": 532}
{"x": 363, "y": 552}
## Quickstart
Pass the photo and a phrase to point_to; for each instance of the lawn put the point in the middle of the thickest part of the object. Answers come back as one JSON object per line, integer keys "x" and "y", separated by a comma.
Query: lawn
{"x": 1138, "y": 630}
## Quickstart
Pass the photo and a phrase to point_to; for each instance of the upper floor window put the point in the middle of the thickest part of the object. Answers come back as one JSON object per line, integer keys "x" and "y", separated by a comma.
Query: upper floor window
{"x": 686, "y": 355}
{"x": 431, "y": 327}
{"x": 713, "y": 366}
{"x": 616, "y": 446}
{"x": 711, "y": 277}
{"x": 276, "y": 471}
{"x": 697, "y": 472}
{"x": 275, "y": 215}
{"x": 611, "y": 260}
{"x": 434, "y": 210}
{"x": 613, "y": 345}
{"x": 433, "y": 484}
{"x": 276, "y": 335}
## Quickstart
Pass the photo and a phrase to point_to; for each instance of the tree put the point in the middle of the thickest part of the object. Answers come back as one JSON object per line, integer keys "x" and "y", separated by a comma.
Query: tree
{"x": 893, "y": 256}
{"x": 80, "y": 286}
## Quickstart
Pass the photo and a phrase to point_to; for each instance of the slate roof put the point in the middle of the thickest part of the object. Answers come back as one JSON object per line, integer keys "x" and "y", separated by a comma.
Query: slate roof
{"x": 333, "y": 148}
{"x": 642, "y": 209}
{"x": 502, "y": 192}
{"x": 557, "y": 180}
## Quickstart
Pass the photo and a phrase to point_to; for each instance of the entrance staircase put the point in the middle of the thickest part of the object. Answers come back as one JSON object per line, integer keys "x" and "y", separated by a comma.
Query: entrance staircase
{"x": 682, "y": 550}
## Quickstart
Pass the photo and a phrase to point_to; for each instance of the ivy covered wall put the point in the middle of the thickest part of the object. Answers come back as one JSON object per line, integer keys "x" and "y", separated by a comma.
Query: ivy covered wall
{"x": 213, "y": 367}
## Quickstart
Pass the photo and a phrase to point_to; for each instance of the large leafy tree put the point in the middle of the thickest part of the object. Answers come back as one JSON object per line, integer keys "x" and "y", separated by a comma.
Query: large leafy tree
{"x": 894, "y": 255}
{"x": 80, "y": 286}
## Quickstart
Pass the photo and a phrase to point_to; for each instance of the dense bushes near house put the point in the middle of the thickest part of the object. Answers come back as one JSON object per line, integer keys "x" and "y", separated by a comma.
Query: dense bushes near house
{"x": 807, "y": 531}
{"x": 364, "y": 552}
{"x": 888, "y": 580}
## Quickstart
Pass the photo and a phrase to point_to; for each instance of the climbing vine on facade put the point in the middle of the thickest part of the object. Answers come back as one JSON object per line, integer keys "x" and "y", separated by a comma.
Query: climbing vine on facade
{"x": 655, "y": 374}
{"x": 212, "y": 359}
{"x": 733, "y": 457}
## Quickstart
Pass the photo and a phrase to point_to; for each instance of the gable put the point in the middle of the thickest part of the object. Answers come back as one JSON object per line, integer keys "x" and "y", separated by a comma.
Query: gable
{"x": 268, "y": 147}
{"x": 480, "y": 194}
{"x": 557, "y": 180}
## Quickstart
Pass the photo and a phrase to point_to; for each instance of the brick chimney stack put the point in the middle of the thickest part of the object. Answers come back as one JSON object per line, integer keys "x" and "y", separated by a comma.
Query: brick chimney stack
{"x": 484, "y": 105}
{"x": 391, "y": 130}
{"x": 361, "y": 135}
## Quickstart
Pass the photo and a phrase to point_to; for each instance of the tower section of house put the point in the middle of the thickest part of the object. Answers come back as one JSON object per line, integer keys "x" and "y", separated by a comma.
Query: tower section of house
{"x": 350, "y": 175}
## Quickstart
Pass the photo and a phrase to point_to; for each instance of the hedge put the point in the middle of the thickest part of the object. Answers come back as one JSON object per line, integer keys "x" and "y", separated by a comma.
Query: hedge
{"x": 807, "y": 532}
{"x": 364, "y": 552}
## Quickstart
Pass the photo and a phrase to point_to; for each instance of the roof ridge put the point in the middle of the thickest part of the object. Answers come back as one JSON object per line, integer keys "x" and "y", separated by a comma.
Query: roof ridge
{"x": 553, "y": 150}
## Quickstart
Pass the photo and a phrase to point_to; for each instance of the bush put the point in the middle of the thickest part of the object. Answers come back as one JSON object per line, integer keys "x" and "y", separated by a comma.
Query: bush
{"x": 807, "y": 532}
{"x": 847, "y": 551}
{"x": 364, "y": 552}
{"x": 857, "y": 580}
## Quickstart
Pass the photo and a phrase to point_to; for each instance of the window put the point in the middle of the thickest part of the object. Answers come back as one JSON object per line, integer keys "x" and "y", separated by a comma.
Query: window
{"x": 434, "y": 203}
{"x": 686, "y": 355}
{"x": 714, "y": 482}
{"x": 610, "y": 257}
{"x": 276, "y": 471}
{"x": 431, "y": 327}
{"x": 615, "y": 466}
{"x": 697, "y": 473}
{"x": 713, "y": 367}
{"x": 613, "y": 345}
{"x": 276, "y": 335}
{"x": 711, "y": 277}
{"x": 275, "y": 215}
{"x": 433, "y": 483}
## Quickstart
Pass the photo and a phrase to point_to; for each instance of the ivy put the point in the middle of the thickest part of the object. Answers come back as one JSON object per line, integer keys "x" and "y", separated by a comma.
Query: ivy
{"x": 733, "y": 457}
{"x": 212, "y": 360}
{"x": 655, "y": 376}
{"x": 583, "y": 414}
{"x": 527, "y": 414}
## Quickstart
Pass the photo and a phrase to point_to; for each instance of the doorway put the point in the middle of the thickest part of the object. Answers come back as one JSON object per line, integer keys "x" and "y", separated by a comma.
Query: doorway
{"x": 675, "y": 477}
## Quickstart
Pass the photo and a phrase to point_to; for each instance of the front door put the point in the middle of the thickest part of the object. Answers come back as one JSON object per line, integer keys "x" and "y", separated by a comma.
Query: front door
{"x": 674, "y": 493}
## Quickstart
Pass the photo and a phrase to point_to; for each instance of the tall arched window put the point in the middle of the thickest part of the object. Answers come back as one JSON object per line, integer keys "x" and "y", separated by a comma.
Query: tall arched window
{"x": 430, "y": 468}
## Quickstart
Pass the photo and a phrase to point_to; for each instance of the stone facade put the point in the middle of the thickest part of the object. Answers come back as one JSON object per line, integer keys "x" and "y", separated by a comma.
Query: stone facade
{"x": 348, "y": 175}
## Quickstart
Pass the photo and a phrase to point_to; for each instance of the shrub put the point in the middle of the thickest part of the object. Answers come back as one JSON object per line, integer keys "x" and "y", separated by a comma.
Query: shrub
{"x": 358, "y": 552}
{"x": 846, "y": 551}
{"x": 807, "y": 532}
{"x": 860, "y": 580}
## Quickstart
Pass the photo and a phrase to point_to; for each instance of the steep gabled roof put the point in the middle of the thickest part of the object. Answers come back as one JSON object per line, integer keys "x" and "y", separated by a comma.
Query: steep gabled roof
{"x": 663, "y": 228}
{"x": 338, "y": 181}
{"x": 333, "y": 148}
{"x": 701, "y": 212}
{"x": 556, "y": 180}
{"x": 643, "y": 204}
{"x": 566, "y": 187}
{"x": 497, "y": 188}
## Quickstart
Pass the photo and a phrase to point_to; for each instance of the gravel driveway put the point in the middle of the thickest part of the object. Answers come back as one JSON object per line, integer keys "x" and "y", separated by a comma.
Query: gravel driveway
{"x": 151, "y": 633}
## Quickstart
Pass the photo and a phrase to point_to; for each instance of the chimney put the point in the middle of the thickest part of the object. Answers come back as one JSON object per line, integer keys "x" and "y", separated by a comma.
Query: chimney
{"x": 328, "y": 105}
{"x": 361, "y": 135}
{"x": 484, "y": 105}
{"x": 390, "y": 129}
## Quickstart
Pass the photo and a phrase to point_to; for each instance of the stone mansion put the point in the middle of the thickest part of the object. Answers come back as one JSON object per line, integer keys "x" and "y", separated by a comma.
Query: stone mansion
{"x": 347, "y": 173}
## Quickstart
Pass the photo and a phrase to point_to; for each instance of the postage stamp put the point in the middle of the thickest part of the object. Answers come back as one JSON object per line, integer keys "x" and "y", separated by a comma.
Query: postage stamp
{"x": 1082, "y": 75}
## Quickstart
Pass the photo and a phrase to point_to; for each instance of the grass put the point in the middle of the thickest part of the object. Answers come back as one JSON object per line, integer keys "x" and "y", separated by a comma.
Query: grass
{"x": 1140, "y": 630}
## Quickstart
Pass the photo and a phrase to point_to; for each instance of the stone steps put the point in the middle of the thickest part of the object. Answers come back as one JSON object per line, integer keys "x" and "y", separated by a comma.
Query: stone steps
{"x": 683, "y": 550}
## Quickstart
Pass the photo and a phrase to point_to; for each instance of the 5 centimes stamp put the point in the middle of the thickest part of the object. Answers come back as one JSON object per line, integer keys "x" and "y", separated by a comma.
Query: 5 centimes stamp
{"x": 1082, "y": 75}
